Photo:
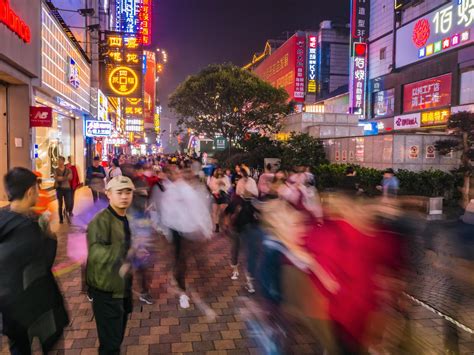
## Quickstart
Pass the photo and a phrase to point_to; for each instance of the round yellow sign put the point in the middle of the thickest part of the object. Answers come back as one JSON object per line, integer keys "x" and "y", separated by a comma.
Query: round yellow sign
{"x": 123, "y": 81}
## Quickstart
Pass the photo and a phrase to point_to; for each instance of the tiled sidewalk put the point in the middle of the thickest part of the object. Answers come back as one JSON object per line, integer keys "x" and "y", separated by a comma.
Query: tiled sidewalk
{"x": 164, "y": 328}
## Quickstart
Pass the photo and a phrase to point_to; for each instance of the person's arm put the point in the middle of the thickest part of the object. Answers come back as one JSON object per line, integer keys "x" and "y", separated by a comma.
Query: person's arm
{"x": 89, "y": 174}
{"x": 68, "y": 174}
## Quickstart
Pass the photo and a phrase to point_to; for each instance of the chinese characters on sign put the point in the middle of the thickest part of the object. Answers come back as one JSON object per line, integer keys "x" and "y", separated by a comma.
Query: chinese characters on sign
{"x": 127, "y": 15}
{"x": 411, "y": 121}
{"x": 384, "y": 103}
{"x": 435, "y": 118}
{"x": 121, "y": 66}
{"x": 145, "y": 22}
{"x": 300, "y": 68}
{"x": 133, "y": 125}
{"x": 426, "y": 94}
{"x": 441, "y": 30}
{"x": 358, "y": 79}
{"x": 98, "y": 128}
{"x": 312, "y": 45}
{"x": 360, "y": 19}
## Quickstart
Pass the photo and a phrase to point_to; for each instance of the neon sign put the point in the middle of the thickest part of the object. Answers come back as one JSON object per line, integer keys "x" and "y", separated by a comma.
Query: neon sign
{"x": 123, "y": 81}
{"x": 145, "y": 22}
{"x": 73, "y": 74}
{"x": 127, "y": 15}
{"x": 14, "y": 22}
{"x": 312, "y": 44}
{"x": 441, "y": 30}
{"x": 358, "y": 79}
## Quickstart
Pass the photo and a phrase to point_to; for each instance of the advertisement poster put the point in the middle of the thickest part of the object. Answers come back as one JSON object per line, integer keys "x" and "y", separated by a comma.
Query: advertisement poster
{"x": 344, "y": 155}
{"x": 338, "y": 155}
{"x": 280, "y": 68}
{"x": 425, "y": 94}
{"x": 414, "y": 152}
{"x": 411, "y": 121}
{"x": 440, "y": 31}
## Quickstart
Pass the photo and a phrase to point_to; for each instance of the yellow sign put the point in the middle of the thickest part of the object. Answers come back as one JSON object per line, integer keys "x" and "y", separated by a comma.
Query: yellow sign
{"x": 435, "y": 118}
{"x": 115, "y": 41}
{"x": 123, "y": 81}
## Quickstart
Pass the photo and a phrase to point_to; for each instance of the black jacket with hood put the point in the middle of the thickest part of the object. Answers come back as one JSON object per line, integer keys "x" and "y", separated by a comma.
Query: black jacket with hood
{"x": 30, "y": 300}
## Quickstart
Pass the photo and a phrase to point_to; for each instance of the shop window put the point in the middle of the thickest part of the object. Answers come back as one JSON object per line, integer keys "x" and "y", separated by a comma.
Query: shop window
{"x": 467, "y": 88}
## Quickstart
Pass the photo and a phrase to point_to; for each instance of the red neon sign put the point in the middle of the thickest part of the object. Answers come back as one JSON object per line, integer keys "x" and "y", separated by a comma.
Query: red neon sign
{"x": 145, "y": 22}
{"x": 14, "y": 22}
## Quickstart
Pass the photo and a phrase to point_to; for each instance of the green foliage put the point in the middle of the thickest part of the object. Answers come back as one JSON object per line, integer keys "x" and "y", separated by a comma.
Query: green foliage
{"x": 229, "y": 101}
{"x": 302, "y": 149}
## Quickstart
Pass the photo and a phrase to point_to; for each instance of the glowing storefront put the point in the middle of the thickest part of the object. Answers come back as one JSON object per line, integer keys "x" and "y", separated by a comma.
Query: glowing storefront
{"x": 65, "y": 87}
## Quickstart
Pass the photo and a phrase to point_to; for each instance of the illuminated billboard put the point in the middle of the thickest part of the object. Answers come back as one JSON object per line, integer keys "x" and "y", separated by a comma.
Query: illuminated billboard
{"x": 121, "y": 66}
{"x": 285, "y": 68}
{"x": 442, "y": 30}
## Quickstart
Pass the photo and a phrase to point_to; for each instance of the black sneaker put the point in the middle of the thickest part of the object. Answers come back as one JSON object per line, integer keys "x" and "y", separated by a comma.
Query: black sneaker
{"x": 61, "y": 222}
{"x": 146, "y": 298}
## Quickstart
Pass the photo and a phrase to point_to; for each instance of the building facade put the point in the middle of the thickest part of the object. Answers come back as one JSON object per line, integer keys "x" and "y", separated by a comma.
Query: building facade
{"x": 20, "y": 70}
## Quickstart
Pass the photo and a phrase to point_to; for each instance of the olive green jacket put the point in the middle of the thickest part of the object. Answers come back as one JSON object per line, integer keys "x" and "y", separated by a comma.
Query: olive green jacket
{"x": 107, "y": 250}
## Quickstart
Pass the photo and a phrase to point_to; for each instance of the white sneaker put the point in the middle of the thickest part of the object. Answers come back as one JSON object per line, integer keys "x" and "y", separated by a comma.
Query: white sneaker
{"x": 184, "y": 301}
{"x": 235, "y": 275}
{"x": 249, "y": 285}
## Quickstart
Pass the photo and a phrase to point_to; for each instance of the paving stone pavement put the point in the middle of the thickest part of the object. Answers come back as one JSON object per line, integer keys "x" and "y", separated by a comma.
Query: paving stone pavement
{"x": 164, "y": 328}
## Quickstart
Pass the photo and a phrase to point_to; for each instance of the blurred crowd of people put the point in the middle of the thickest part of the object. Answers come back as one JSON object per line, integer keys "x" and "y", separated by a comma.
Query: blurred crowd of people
{"x": 335, "y": 262}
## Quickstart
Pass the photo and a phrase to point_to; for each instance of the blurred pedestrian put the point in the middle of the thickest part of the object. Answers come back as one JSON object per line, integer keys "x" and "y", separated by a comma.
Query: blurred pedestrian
{"x": 219, "y": 185}
{"x": 30, "y": 300}
{"x": 75, "y": 182}
{"x": 95, "y": 179}
{"x": 109, "y": 265}
{"x": 265, "y": 181}
{"x": 390, "y": 184}
{"x": 114, "y": 169}
{"x": 62, "y": 184}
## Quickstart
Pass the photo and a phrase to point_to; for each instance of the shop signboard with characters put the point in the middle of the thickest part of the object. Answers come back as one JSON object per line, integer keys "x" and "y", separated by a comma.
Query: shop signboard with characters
{"x": 444, "y": 29}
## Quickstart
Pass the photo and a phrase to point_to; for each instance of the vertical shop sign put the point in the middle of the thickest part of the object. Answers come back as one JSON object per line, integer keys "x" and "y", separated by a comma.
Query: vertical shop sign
{"x": 360, "y": 19}
{"x": 127, "y": 15}
{"x": 358, "y": 79}
{"x": 300, "y": 68}
{"x": 145, "y": 22}
{"x": 312, "y": 47}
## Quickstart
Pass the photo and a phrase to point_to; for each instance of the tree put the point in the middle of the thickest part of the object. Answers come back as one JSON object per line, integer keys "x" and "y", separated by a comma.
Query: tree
{"x": 460, "y": 125}
{"x": 225, "y": 100}
{"x": 302, "y": 149}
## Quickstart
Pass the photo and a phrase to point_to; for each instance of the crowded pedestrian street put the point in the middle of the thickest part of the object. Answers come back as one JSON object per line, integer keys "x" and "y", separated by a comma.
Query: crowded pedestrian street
{"x": 266, "y": 177}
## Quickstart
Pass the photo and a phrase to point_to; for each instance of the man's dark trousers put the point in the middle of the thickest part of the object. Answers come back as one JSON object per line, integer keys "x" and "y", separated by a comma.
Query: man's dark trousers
{"x": 111, "y": 316}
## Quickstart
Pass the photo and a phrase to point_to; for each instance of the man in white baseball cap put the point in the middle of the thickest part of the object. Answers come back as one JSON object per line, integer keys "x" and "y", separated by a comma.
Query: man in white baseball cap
{"x": 109, "y": 265}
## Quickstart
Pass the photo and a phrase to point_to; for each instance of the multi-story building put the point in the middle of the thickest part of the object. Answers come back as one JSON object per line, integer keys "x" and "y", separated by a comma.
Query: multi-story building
{"x": 20, "y": 70}
{"x": 313, "y": 67}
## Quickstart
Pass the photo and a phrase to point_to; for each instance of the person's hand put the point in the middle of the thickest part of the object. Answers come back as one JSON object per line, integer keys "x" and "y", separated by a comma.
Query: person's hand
{"x": 379, "y": 187}
{"x": 125, "y": 269}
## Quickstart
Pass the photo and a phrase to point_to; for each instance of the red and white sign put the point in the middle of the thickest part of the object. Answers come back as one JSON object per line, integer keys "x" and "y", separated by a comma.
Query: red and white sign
{"x": 144, "y": 17}
{"x": 358, "y": 79}
{"x": 430, "y": 152}
{"x": 282, "y": 67}
{"x": 14, "y": 22}
{"x": 411, "y": 121}
{"x": 300, "y": 68}
{"x": 414, "y": 152}
{"x": 41, "y": 116}
{"x": 427, "y": 94}
{"x": 360, "y": 18}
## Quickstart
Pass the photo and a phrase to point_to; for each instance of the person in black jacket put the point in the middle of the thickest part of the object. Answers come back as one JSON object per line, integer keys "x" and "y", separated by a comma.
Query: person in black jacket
{"x": 30, "y": 300}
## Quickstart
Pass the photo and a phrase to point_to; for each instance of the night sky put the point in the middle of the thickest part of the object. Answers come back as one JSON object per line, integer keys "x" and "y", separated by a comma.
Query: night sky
{"x": 200, "y": 32}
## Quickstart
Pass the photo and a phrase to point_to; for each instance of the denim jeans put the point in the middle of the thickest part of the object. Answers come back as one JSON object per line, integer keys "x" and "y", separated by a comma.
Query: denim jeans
{"x": 251, "y": 237}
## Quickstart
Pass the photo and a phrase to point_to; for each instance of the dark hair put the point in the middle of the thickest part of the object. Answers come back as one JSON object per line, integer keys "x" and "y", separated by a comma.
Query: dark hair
{"x": 17, "y": 182}
{"x": 349, "y": 170}
{"x": 269, "y": 166}
{"x": 389, "y": 171}
{"x": 61, "y": 158}
{"x": 116, "y": 162}
{"x": 96, "y": 158}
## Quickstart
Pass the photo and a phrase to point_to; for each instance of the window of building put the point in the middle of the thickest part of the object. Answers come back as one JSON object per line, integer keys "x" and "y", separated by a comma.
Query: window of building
{"x": 383, "y": 53}
{"x": 467, "y": 88}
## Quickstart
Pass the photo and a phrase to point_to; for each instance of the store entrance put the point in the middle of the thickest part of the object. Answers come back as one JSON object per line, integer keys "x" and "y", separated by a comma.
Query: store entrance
{"x": 3, "y": 140}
